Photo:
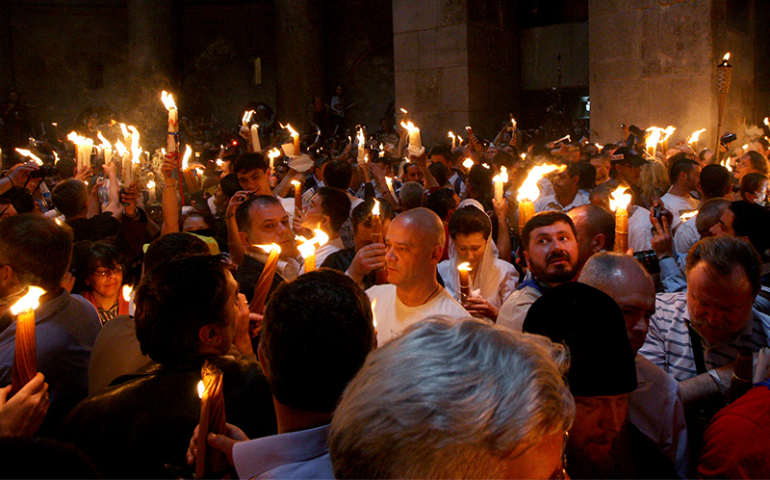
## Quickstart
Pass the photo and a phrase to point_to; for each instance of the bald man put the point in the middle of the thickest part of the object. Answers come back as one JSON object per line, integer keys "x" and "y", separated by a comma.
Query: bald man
{"x": 414, "y": 242}
{"x": 655, "y": 407}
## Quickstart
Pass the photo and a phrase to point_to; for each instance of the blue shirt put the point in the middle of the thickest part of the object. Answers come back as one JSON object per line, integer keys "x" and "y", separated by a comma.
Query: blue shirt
{"x": 303, "y": 454}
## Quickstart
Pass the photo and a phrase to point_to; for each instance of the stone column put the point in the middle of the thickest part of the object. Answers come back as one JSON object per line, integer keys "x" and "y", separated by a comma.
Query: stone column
{"x": 7, "y": 76}
{"x": 299, "y": 48}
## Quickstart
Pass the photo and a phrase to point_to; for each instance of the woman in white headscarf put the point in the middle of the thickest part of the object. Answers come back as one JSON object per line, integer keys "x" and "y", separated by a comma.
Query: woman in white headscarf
{"x": 470, "y": 240}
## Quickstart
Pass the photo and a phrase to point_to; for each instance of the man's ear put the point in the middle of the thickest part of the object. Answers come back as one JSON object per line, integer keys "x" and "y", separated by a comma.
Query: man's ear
{"x": 263, "y": 361}
{"x": 435, "y": 254}
{"x": 209, "y": 336}
{"x": 598, "y": 242}
{"x": 244, "y": 238}
{"x": 526, "y": 257}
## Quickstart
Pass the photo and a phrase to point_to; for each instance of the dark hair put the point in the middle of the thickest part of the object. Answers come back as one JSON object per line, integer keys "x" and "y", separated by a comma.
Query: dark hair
{"x": 243, "y": 213}
{"x": 752, "y": 221}
{"x": 724, "y": 253}
{"x": 468, "y": 220}
{"x": 762, "y": 141}
{"x": 751, "y": 182}
{"x": 441, "y": 150}
{"x": 681, "y": 165}
{"x": 70, "y": 197}
{"x": 37, "y": 248}
{"x": 587, "y": 173}
{"x": 338, "y": 174}
{"x": 441, "y": 201}
{"x": 230, "y": 185}
{"x": 715, "y": 181}
{"x": 316, "y": 334}
{"x": 88, "y": 256}
{"x": 173, "y": 304}
{"x": 206, "y": 216}
{"x": 247, "y": 162}
{"x": 759, "y": 162}
{"x": 362, "y": 214}
{"x": 335, "y": 204}
{"x": 440, "y": 172}
{"x": 171, "y": 247}
{"x": 544, "y": 219}
{"x": 66, "y": 168}
{"x": 504, "y": 159}
{"x": 480, "y": 178}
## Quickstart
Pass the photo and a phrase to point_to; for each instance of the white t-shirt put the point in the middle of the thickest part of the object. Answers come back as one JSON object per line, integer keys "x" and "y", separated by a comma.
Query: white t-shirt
{"x": 393, "y": 317}
{"x": 550, "y": 202}
{"x": 640, "y": 230}
{"x": 678, "y": 205}
{"x": 686, "y": 236}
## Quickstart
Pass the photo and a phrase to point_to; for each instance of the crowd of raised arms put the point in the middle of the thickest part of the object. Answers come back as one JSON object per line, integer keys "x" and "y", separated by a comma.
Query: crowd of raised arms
{"x": 346, "y": 302}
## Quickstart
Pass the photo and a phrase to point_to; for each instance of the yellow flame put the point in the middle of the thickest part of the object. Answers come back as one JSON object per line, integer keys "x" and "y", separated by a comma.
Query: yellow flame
{"x": 79, "y": 140}
{"x": 247, "y": 116}
{"x": 295, "y": 182}
{"x": 409, "y": 126}
{"x": 726, "y": 164}
{"x": 451, "y": 135}
{"x": 459, "y": 139}
{"x": 220, "y": 162}
{"x": 30, "y": 301}
{"x": 695, "y": 135}
{"x": 122, "y": 150}
{"x": 468, "y": 163}
{"x": 598, "y": 146}
{"x": 654, "y": 136}
{"x": 274, "y": 153}
{"x": 465, "y": 266}
{"x": 376, "y": 207}
{"x": 186, "y": 158}
{"x": 124, "y": 131}
{"x": 726, "y": 57}
{"x": 269, "y": 248}
{"x": 201, "y": 389}
{"x": 618, "y": 199}
{"x": 668, "y": 131}
{"x": 151, "y": 184}
{"x": 26, "y": 153}
{"x": 767, "y": 121}
{"x": 105, "y": 143}
{"x": 389, "y": 181}
{"x": 168, "y": 100}
{"x": 361, "y": 138}
{"x": 291, "y": 130}
{"x": 403, "y": 110}
{"x": 58, "y": 221}
{"x": 374, "y": 320}
{"x": 502, "y": 176}
{"x": 529, "y": 190}
{"x": 127, "y": 289}
{"x": 308, "y": 247}
{"x": 688, "y": 215}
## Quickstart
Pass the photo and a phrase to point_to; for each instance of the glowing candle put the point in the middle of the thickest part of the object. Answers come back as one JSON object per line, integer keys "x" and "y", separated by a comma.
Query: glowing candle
{"x": 173, "y": 121}
{"x": 500, "y": 180}
{"x": 454, "y": 139}
{"x": 106, "y": 147}
{"x": 25, "y": 354}
{"x": 151, "y": 191}
{"x": 295, "y": 139}
{"x": 687, "y": 215}
{"x": 308, "y": 247}
{"x": 381, "y": 273}
{"x": 26, "y": 153}
{"x": 83, "y": 148}
{"x": 389, "y": 183}
{"x": 127, "y": 168}
{"x": 694, "y": 138}
{"x": 619, "y": 204}
{"x": 528, "y": 192}
{"x": 415, "y": 142}
{"x": 262, "y": 288}
{"x": 468, "y": 163}
{"x": 653, "y": 137}
{"x": 361, "y": 144}
{"x": 188, "y": 176}
{"x": 464, "y": 269}
{"x": 212, "y": 420}
{"x": 297, "y": 197}
{"x": 127, "y": 290}
{"x": 664, "y": 142}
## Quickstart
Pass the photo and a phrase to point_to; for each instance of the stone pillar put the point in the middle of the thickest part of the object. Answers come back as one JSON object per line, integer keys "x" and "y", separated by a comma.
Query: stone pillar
{"x": 300, "y": 55}
{"x": 456, "y": 64}
{"x": 7, "y": 77}
{"x": 655, "y": 65}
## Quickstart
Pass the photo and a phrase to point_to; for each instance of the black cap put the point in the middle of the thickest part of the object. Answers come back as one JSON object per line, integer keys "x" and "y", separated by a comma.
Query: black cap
{"x": 627, "y": 156}
{"x": 591, "y": 324}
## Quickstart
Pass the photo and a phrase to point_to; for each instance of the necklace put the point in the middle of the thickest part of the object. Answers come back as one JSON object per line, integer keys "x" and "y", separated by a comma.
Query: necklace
{"x": 431, "y": 295}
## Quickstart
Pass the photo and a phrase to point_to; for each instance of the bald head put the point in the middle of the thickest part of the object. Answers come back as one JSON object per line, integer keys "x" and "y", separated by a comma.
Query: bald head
{"x": 595, "y": 230}
{"x": 424, "y": 224}
{"x": 623, "y": 278}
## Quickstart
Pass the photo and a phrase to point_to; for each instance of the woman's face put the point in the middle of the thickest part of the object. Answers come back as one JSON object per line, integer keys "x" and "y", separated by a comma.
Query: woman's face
{"x": 470, "y": 248}
{"x": 106, "y": 281}
{"x": 193, "y": 224}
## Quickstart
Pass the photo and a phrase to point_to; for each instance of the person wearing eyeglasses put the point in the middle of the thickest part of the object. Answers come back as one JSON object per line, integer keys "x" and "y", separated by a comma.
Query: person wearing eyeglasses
{"x": 101, "y": 270}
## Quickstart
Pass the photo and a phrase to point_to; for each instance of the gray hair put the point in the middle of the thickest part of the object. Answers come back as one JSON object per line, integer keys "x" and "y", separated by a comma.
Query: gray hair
{"x": 410, "y": 195}
{"x": 710, "y": 213}
{"x": 450, "y": 399}
{"x": 604, "y": 270}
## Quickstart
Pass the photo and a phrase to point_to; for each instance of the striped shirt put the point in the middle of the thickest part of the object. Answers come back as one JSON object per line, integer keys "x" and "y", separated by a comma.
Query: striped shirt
{"x": 668, "y": 342}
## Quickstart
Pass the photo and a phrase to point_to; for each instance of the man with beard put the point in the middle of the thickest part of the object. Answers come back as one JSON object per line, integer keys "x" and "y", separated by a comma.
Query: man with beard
{"x": 566, "y": 194}
{"x": 551, "y": 253}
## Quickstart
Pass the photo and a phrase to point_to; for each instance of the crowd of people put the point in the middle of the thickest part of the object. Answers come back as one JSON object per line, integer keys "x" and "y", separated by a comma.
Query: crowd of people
{"x": 556, "y": 358}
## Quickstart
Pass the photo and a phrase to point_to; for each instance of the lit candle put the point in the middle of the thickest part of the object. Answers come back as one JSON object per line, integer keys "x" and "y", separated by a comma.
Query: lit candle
{"x": 151, "y": 191}
{"x": 361, "y": 144}
{"x": 188, "y": 176}
{"x": 374, "y": 321}
{"x": 308, "y": 247}
{"x": 136, "y": 150}
{"x": 127, "y": 168}
{"x": 26, "y": 153}
{"x": 687, "y": 215}
{"x": 173, "y": 121}
{"x": 272, "y": 155}
{"x": 381, "y": 273}
{"x": 653, "y": 137}
{"x": 619, "y": 204}
{"x": 452, "y": 136}
{"x": 297, "y": 197}
{"x": 106, "y": 147}
{"x": 127, "y": 290}
{"x": 464, "y": 269}
{"x": 468, "y": 163}
{"x": 295, "y": 139}
{"x": 25, "y": 354}
{"x": 83, "y": 148}
{"x": 500, "y": 180}
{"x": 528, "y": 192}
{"x": 254, "y": 130}
{"x": 212, "y": 420}
{"x": 724, "y": 78}
{"x": 415, "y": 142}
{"x": 389, "y": 183}
{"x": 262, "y": 288}
{"x": 694, "y": 138}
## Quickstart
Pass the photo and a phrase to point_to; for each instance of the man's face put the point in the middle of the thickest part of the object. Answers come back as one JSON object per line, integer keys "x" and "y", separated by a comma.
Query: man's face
{"x": 635, "y": 295}
{"x": 314, "y": 214}
{"x": 598, "y": 422}
{"x": 586, "y": 244}
{"x": 719, "y": 306}
{"x": 693, "y": 178}
{"x": 602, "y": 168}
{"x": 629, "y": 174}
{"x": 563, "y": 184}
{"x": 414, "y": 174}
{"x": 541, "y": 460}
{"x": 725, "y": 224}
{"x": 363, "y": 234}
{"x": 552, "y": 253}
{"x": 256, "y": 181}
{"x": 743, "y": 167}
{"x": 440, "y": 159}
{"x": 470, "y": 248}
{"x": 758, "y": 196}
{"x": 408, "y": 255}
{"x": 270, "y": 224}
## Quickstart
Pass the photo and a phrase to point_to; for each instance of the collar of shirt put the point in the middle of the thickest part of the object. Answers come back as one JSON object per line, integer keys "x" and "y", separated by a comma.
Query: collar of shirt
{"x": 254, "y": 457}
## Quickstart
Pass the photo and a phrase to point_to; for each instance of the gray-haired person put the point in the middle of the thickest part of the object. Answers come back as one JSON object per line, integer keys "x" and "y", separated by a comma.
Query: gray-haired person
{"x": 455, "y": 400}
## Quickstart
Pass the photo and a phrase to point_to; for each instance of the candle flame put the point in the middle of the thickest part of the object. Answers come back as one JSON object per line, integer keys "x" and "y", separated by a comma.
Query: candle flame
{"x": 247, "y": 116}
{"x": 168, "y": 100}
{"x": 122, "y": 150}
{"x": 653, "y": 137}
{"x": 726, "y": 57}
{"x": 360, "y": 136}
{"x": 58, "y": 221}
{"x": 687, "y": 215}
{"x": 124, "y": 131}
{"x": 668, "y": 131}
{"x": 376, "y": 207}
{"x": 291, "y": 130}
{"x": 219, "y": 162}
{"x": 468, "y": 163}
{"x": 502, "y": 176}
{"x": 26, "y": 153}
{"x": 150, "y": 184}
{"x": 695, "y": 135}
{"x": 105, "y": 143}
{"x": 619, "y": 199}
{"x": 201, "y": 389}
{"x": 78, "y": 139}
{"x": 451, "y": 135}
{"x": 459, "y": 139}
{"x": 127, "y": 289}
{"x": 30, "y": 301}
{"x": 529, "y": 190}
{"x": 186, "y": 158}
{"x": 465, "y": 266}
{"x": 409, "y": 126}
{"x": 308, "y": 247}
{"x": 274, "y": 153}
{"x": 726, "y": 164}
{"x": 269, "y": 248}
{"x": 374, "y": 319}
{"x": 405, "y": 112}
{"x": 767, "y": 121}
{"x": 389, "y": 181}
{"x": 295, "y": 183}
{"x": 598, "y": 146}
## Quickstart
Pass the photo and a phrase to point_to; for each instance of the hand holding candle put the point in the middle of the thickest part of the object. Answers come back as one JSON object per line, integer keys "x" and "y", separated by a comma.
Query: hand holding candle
{"x": 173, "y": 121}
{"x": 500, "y": 180}
{"x": 25, "y": 354}
{"x": 210, "y": 462}
{"x": 262, "y": 288}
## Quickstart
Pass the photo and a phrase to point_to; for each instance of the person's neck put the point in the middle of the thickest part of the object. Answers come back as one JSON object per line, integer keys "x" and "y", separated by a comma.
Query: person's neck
{"x": 292, "y": 419}
{"x": 566, "y": 199}
{"x": 418, "y": 294}
{"x": 105, "y": 303}
{"x": 679, "y": 190}
{"x": 606, "y": 179}
{"x": 76, "y": 217}
{"x": 48, "y": 296}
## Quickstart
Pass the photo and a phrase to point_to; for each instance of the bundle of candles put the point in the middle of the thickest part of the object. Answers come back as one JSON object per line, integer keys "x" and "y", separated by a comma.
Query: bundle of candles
{"x": 381, "y": 273}
{"x": 619, "y": 201}
{"x": 25, "y": 354}
{"x": 262, "y": 288}
{"x": 528, "y": 192}
{"x": 308, "y": 247}
{"x": 210, "y": 462}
